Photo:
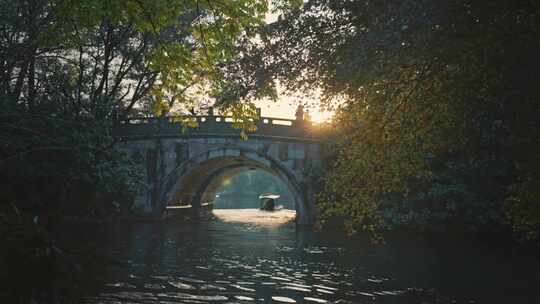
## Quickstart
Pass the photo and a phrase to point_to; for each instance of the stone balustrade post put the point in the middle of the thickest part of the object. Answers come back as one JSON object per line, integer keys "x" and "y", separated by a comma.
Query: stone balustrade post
{"x": 258, "y": 113}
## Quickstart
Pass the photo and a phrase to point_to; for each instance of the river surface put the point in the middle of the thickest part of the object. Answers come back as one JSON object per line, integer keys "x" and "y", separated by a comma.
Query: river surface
{"x": 251, "y": 256}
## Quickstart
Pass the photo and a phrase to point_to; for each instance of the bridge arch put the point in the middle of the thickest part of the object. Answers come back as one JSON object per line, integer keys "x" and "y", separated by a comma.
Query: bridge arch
{"x": 197, "y": 179}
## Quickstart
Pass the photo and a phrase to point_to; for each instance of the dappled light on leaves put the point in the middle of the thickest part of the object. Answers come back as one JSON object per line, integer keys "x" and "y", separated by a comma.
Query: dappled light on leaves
{"x": 434, "y": 97}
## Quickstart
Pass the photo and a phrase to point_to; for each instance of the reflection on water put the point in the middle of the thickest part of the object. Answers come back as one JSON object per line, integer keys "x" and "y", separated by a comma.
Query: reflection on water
{"x": 242, "y": 259}
{"x": 255, "y": 216}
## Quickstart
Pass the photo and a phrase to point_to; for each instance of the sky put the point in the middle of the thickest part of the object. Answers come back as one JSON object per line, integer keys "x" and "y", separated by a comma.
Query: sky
{"x": 285, "y": 107}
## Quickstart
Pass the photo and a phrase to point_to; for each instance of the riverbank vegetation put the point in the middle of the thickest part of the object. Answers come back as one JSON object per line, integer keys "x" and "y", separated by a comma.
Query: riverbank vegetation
{"x": 437, "y": 107}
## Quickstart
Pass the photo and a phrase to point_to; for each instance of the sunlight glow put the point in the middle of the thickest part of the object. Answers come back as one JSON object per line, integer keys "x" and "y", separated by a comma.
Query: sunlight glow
{"x": 285, "y": 108}
{"x": 286, "y": 105}
{"x": 255, "y": 216}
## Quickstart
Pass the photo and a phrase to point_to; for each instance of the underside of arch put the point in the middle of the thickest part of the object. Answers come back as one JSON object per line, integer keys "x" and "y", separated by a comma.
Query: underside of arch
{"x": 200, "y": 182}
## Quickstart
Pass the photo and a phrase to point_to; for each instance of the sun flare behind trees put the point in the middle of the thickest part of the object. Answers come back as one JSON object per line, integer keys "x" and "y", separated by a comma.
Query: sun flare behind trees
{"x": 436, "y": 125}
{"x": 439, "y": 127}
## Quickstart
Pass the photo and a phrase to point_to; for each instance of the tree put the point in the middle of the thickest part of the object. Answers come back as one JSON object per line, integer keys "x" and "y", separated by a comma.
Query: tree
{"x": 82, "y": 65}
{"x": 427, "y": 95}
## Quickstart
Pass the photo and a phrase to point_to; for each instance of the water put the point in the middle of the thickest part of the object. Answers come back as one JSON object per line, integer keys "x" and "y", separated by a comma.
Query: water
{"x": 251, "y": 256}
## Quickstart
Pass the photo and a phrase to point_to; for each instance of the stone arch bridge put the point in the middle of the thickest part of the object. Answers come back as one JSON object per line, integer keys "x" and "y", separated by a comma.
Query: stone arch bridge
{"x": 187, "y": 165}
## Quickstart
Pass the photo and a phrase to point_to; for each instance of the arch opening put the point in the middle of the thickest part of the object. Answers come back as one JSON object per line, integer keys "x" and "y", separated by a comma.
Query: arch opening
{"x": 200, "y": 182}
{"x": 240, "y": 189}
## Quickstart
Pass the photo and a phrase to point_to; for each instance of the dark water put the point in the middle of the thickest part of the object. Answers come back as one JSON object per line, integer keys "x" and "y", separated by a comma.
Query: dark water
{"x": 222, "y": 262}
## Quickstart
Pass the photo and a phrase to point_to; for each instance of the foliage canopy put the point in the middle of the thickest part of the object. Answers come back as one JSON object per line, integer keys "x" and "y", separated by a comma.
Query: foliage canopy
{"x": 436, "y": 107}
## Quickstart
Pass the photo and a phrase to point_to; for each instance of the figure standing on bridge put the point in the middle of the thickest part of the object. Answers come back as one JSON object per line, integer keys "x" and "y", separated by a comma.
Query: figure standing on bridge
{"x": 299, "y": 113}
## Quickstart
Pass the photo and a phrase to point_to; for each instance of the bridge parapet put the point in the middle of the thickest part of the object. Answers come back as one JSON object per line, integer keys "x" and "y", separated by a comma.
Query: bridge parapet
{"x": 211, "y": 125}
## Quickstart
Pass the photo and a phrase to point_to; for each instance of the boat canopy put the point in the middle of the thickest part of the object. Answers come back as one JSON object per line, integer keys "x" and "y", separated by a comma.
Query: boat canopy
{"x": 270, "y": 196}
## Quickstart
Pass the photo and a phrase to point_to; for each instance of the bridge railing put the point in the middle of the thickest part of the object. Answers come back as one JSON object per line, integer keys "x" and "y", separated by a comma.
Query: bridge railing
{"x": 205, "y": 119}
{"x": 204, "y": 125}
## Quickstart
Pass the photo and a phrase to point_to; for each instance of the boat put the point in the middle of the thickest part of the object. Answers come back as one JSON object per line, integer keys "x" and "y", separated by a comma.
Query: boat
{"x": 186, "y": 211}
{"x": 268, "y": 202}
